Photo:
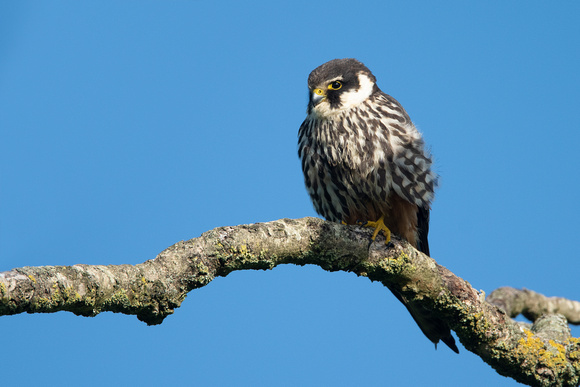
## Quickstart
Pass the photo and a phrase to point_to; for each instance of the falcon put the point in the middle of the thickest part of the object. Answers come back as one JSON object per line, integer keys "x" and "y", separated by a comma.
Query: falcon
{"x": 364, "y": 162}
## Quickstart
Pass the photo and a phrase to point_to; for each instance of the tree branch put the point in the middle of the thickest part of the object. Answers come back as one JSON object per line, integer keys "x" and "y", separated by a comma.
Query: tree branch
{"x": 533, "y": 305}
{"x": 543, "y": 355}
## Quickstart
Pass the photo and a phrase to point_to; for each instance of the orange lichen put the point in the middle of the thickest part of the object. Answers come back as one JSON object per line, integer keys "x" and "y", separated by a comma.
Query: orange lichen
{"x": 551, "y": 355}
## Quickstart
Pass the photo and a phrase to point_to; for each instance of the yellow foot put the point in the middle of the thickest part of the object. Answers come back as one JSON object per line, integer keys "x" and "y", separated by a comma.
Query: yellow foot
{"x": 379, "y": 226}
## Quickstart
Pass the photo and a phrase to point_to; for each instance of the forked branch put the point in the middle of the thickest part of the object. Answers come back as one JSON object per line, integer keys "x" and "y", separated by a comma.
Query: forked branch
{"x": 543, "y": 354}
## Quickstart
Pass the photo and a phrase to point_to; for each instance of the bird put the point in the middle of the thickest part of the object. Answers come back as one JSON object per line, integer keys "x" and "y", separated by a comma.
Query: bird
{"x": 365, "y": 162}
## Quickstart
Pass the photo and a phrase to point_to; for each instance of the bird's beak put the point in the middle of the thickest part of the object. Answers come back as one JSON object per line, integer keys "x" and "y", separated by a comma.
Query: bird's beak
{"x": 316, "y": 96}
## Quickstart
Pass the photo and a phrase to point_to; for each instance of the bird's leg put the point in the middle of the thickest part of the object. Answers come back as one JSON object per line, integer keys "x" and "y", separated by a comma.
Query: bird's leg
{"x": 379, "y": 226}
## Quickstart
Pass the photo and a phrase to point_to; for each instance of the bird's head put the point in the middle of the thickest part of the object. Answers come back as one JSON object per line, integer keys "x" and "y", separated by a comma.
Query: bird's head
{"x": 339, "y": 85}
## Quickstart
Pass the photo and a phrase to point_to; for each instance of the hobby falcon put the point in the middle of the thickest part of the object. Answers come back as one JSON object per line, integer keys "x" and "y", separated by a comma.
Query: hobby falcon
{"x": 365, "y": 162}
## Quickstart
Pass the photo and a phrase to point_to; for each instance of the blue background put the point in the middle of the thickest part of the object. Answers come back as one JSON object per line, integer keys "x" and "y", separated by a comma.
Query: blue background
{"x": 129, "y": 126}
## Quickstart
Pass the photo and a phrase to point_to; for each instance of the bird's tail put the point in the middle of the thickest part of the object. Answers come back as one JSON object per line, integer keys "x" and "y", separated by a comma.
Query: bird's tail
{"x": 433, "y": 327}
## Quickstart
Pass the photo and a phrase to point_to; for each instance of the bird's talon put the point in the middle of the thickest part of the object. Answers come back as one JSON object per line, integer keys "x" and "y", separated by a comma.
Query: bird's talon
{"x": 379, "y": 226}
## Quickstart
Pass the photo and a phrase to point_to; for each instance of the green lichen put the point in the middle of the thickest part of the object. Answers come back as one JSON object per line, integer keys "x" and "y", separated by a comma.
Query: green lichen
{"x": 41, "y": 304}
{"x": 56, "y": 296}
{"x": 241, "y": 258}
{"x": 398, "y": 264}
{"x": 120, "y": 300}
{"x": 476, "y": 321}
{"x": 70, "y": 295}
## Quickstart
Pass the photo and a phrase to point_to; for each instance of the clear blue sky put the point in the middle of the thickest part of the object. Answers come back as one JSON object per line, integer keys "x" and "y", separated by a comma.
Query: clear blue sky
{"x": 129, "y": 126}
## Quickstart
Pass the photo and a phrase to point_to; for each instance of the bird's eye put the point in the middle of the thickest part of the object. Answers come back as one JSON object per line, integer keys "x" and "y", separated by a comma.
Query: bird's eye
{"x": 335, "y": 85}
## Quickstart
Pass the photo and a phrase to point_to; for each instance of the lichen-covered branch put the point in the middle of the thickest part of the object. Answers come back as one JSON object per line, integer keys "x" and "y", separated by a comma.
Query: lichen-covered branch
{"x": 533, "y": 305}
{"x": 544, "y": 355}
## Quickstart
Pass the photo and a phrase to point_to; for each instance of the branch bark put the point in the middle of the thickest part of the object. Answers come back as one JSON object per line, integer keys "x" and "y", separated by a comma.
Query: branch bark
{"x": 533, "y": 305}
{"x": 543, "y": 354}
